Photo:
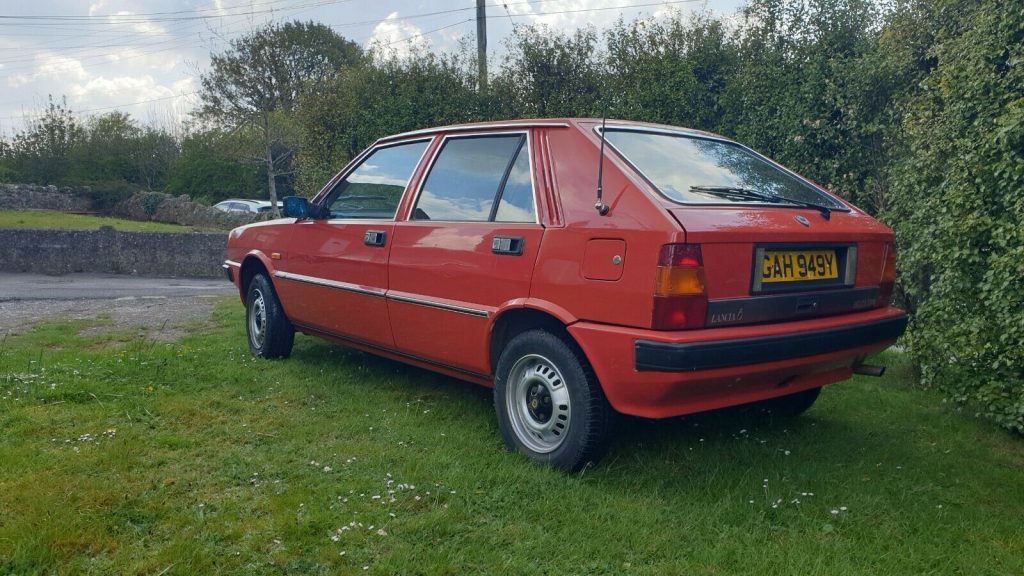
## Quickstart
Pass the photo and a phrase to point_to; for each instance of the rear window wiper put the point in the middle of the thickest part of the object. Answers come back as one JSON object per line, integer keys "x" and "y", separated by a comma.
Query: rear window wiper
{"x": 748, "y": 194}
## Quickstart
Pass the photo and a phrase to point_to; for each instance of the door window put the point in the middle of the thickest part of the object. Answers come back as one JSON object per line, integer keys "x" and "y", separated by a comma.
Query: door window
{"x": 479, "y": 179}
{"x": 375, "y": 187}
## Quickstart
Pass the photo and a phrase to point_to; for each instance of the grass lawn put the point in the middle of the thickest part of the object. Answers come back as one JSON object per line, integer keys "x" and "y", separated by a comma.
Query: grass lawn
{"x": 121, "y": 456}
{"x": 52, "y": 219}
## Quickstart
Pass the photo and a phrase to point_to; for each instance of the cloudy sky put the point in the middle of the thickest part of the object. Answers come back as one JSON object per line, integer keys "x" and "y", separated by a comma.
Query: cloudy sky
{"x": 145, "y": 57}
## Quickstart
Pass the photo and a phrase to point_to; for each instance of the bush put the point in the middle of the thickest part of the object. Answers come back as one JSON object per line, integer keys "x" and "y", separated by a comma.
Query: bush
{"x": 957, "y": 207}
{"x": 104, "y": 196}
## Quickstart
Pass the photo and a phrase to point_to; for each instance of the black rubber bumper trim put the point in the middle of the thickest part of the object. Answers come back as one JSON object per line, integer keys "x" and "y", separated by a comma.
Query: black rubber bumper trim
{"x": 689, "y": 356}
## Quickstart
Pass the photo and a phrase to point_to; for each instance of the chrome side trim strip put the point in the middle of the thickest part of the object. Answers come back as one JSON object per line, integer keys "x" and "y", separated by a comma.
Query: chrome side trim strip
{"x": 330, "y": 283}
{"x": 381, "y": 293}
{"x": 441, "y": 305}
{"x": 231, "y": 263}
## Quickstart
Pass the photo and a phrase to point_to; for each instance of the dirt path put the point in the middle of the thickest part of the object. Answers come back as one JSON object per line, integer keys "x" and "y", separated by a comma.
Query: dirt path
{"x": 159, "y": 309}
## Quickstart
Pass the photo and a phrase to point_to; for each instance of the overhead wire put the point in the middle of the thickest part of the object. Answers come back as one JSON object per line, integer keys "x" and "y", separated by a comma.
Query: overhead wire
{"x": 190, "y": 21}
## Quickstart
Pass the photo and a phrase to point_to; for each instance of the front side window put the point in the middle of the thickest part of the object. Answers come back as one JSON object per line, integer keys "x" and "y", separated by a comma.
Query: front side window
{"x": 374, "y": 189}
{"x": 479, "y": 179}
{"x": 696, "y": 170}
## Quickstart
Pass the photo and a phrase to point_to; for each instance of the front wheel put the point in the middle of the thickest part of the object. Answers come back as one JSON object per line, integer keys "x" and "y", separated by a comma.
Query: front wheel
{"x": 549, "y": 404}
{"x": 270, "y": 333}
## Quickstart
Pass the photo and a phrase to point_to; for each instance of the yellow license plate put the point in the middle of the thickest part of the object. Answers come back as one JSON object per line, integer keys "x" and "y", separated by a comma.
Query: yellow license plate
{"x": 798, "y": 265}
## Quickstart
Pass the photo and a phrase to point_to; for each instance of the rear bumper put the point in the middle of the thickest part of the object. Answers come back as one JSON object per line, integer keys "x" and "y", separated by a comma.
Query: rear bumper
{"x": 658, "y": 374}
{"x": 690, "y": 356}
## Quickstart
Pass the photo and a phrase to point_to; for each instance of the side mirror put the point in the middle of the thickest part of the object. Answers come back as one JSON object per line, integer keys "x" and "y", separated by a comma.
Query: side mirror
{"x": 295, "y": 207}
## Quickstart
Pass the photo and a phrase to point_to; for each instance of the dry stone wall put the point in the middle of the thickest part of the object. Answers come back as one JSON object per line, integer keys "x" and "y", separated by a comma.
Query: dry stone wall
{"x": 190, "y": 254}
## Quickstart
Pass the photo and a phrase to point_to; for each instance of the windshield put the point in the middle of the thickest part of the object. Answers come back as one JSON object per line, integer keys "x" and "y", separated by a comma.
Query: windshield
{"x": 694, "y": 170}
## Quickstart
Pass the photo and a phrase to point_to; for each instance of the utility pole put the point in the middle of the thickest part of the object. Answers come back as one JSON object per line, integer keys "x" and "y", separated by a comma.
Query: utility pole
{"x": 481, "y": 44}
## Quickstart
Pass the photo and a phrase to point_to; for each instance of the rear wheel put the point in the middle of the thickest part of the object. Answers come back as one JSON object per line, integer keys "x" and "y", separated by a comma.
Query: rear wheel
{"x": 550, "y": 405}
{"x": 270, "y": 333}
{"x": 791, "y": 405}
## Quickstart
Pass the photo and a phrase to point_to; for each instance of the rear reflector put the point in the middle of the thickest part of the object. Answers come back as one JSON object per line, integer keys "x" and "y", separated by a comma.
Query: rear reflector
{"x": 888, "y": 280}
{"x": 680, "y": 298}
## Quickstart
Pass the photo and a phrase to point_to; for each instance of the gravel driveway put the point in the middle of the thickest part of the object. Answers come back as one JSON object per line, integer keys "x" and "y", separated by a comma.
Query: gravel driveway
{"x": 159, "y": 308}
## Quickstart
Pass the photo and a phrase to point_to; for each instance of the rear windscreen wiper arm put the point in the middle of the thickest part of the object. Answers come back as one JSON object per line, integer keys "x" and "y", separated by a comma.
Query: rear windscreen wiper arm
{"x": 748, "y": 194}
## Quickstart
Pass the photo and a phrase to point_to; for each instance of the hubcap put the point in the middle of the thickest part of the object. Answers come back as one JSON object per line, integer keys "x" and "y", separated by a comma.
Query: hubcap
{"x": 538, "y": 403}
{"x": 257, "y": 319}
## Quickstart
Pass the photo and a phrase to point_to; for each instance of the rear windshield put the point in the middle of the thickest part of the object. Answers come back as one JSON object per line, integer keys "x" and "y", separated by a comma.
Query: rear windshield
{"x": 680, "y": 166}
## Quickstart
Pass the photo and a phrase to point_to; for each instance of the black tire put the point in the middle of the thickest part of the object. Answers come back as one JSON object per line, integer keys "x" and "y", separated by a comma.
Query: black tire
{"x": 269, "y": 332}
{"x": 791, "y": 405}
{"x": 549, "y": 403}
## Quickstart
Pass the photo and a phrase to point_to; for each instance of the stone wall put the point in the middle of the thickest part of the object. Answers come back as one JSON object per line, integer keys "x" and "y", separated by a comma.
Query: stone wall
{"x": 30, "y": 196}
{"x": 192, "y": 254}
{"x": 141, "y": 206}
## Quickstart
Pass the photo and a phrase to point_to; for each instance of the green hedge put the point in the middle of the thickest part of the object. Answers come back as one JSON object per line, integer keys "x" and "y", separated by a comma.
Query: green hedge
{"x": 957, "y": 204}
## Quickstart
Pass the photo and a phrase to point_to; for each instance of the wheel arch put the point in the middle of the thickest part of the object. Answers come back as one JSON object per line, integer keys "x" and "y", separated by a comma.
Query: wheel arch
{"x": 253, "y": 264}
{"x": 513, "y": 321}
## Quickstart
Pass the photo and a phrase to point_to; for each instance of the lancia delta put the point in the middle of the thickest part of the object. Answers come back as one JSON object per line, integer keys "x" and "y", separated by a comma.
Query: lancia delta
{"x": 581, "y": 268}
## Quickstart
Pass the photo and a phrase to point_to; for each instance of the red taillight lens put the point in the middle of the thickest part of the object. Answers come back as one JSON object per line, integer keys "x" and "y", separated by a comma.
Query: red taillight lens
{"x": 680, "y": 299}
{"x": 888, "y": 280}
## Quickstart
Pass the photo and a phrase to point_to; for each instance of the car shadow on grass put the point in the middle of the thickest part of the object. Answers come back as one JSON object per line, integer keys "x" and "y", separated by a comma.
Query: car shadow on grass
{"x": 742, "y": 433}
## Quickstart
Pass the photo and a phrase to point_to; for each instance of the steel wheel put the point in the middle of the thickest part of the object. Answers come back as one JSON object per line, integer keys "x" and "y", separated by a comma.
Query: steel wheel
{"x": 549, "y": 404}
{"x": 540, "y": 408}
{"x": 257, "y": 318}
{"x": 270, "y": 333}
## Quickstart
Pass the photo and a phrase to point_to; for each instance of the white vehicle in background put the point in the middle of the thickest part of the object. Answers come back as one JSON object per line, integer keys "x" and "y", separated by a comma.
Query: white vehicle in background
{"x": 250, "y": 206}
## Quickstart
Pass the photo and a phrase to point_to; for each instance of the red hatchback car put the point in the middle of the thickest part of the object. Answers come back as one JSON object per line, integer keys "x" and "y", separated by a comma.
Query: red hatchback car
{"x": 705, "y": 276}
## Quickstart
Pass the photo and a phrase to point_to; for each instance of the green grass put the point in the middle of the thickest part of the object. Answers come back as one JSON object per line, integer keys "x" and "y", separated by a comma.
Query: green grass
{"x": 52, "y": 219}
{"x": 203, "y": 460}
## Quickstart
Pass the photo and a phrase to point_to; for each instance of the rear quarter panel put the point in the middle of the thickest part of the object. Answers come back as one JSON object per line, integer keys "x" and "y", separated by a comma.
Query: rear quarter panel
{"x": 572, "y": 155}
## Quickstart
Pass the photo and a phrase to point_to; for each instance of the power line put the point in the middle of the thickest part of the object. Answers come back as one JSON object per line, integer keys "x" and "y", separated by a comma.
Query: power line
{"x": 106, "y": 19}
{"x": 190, "y": 21}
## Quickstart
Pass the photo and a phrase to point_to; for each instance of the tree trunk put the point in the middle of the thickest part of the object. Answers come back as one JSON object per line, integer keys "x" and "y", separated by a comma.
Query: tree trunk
{"x": 272, "y": 183}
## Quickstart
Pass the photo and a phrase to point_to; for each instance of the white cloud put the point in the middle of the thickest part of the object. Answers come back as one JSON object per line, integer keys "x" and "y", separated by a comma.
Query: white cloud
{"x": 50, "y": 67}
{"x": 125, "y": 88}
{"x": 568, "y": 15}
{"x": 138, "y": 24}
{"x": 393, "y": 37}
{"x": 95, "y": 7}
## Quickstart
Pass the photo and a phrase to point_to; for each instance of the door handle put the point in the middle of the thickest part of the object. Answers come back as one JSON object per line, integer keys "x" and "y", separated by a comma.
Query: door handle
{"x": 512, "y": 245}
{"x": 375, "y": 237}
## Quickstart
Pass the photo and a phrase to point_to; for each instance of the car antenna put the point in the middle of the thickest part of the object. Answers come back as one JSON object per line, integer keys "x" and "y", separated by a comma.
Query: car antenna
{"x": 600, "y": 206}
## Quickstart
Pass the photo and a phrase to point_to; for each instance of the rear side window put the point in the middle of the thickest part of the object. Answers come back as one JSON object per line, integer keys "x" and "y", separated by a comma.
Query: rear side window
{"x": 697, "y": 170}
{"x": 479, "y": 179}
{"x": 374, "y": 189}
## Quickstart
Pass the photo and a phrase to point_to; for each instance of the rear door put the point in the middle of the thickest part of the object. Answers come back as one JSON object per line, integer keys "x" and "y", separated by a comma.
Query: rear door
{"x": 467, "y": 247}
{"x": 334, "y": 277}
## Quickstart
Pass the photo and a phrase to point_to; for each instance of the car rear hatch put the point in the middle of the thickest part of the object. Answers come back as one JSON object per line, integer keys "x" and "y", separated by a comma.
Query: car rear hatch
{"x": 775, "y": 263}
{"x": 761, "y": 244}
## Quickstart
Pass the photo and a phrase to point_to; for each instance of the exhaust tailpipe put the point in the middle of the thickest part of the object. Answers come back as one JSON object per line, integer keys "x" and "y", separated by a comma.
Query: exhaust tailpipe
{"x": 868, "y": 369}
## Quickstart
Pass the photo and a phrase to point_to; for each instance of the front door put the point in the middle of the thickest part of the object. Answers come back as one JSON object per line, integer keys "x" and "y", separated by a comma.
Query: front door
{"x": 334, "y": 275}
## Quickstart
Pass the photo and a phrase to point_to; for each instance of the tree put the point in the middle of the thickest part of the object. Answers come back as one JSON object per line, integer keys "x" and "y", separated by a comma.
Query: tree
{"x": 254, "y": 87}
{"x": 207, "y": 168}
{"x": 670, "y": 71}
{"x": 549, "y": 74}
{"x": 42, "y": 152}
{"x": 340, "y": 117}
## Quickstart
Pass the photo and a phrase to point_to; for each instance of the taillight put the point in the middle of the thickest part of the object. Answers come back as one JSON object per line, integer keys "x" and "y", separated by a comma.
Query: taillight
{"x": 888, "y": 280}
{"x": 680, "y": 299}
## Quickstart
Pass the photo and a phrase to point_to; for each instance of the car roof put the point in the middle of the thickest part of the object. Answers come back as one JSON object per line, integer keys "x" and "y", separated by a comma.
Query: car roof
{"x": 546, "y": 123}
